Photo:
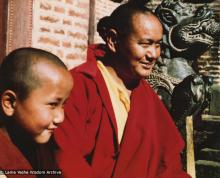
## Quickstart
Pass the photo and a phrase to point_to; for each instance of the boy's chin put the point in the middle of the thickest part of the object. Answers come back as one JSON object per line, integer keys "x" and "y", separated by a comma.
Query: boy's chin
{"x": 42, "y": 139}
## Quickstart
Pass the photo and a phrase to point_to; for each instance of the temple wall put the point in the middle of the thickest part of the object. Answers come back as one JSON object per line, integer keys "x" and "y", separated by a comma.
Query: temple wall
{"x": 62, "y": 27}
{"x": 58, "y": 26}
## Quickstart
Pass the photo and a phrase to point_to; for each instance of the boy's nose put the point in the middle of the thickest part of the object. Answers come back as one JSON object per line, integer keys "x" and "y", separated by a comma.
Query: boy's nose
{"x": 59, "y": 117}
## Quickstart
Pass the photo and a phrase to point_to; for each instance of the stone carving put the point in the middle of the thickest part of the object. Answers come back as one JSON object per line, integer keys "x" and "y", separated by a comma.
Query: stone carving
{"x": 188, "y": 32}
{"x": 190, "y": 97}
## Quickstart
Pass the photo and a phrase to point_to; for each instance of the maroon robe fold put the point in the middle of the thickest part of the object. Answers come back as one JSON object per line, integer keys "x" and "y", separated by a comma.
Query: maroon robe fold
{"x": 89, "y": 148}
{"x": 12, "y": 159}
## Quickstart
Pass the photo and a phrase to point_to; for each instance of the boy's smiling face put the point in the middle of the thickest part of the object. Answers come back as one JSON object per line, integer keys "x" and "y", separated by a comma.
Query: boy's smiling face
{"x": 42, "y": 111}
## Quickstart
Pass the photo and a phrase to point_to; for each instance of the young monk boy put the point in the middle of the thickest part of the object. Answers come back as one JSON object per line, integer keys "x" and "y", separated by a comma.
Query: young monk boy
{"x": 34, "y": 85}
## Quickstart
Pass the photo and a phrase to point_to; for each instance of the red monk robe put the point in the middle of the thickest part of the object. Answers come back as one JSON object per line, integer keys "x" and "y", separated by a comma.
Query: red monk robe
{"x": 89, "y": 148}
{"x": 11, "y": 159}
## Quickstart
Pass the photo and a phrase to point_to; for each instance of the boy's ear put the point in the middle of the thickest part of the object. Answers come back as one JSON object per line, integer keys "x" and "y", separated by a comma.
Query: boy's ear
{"x": 8, "y": 101}
{"x": 112, "y": 40}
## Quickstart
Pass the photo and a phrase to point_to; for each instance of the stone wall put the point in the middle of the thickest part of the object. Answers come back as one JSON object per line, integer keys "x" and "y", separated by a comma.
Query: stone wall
{"x": 102, "y": 8}
{"x": 62, "y": 28}
{"x": 59, "y": 26}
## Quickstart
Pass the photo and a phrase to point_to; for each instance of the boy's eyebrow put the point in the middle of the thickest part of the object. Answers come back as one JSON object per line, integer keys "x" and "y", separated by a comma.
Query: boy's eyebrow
{"x": 58, "y": 99}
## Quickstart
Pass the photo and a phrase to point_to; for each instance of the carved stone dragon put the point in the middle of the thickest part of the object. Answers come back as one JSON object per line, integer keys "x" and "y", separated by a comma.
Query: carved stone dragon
{"x": 188, "y": 32}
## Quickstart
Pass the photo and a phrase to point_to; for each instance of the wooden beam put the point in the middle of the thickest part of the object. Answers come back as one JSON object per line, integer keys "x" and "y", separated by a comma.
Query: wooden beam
{"x": 19, "y": 24}
{"x": 91, "y": 32}
{"x": 212, "y": 118}
{"x": 190, "y": 147}
{"x": 3, "y": 27}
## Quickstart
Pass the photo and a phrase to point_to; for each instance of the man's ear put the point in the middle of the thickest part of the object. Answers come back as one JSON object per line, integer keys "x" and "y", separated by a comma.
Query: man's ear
{"x": 8, "y": 101}
{"x": 112, "y": 40}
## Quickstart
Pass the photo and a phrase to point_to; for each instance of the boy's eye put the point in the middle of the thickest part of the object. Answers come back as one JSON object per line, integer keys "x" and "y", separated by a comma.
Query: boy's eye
{"x": 53, "y": 104}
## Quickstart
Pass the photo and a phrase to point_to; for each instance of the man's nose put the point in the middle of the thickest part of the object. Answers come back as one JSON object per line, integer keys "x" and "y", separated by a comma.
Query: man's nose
{"x": 153, "y": 52}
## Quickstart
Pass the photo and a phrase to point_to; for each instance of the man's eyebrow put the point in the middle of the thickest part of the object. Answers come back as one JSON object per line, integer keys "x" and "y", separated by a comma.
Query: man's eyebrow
{"x": 149, "y": 40}
{"x": 145, "y": 40}
{"x": 160, "y": 41}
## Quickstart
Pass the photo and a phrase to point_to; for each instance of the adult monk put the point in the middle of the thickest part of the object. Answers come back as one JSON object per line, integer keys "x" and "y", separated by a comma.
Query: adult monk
{"x": 115, "y": 125}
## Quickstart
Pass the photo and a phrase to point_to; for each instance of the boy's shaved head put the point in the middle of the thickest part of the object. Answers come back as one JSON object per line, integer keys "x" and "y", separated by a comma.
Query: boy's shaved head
{"x": 16, "y": 71}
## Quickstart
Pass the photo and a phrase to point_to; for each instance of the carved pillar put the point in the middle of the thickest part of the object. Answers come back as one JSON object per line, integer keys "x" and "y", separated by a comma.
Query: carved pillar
{"x": 3, "y": 21}
{"x": 19, "y": 27}
{"x": 91, "y": 32}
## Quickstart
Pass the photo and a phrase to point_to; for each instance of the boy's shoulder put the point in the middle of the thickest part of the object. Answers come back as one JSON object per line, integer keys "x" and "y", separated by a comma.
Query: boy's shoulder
{"x": 11, "y": 158}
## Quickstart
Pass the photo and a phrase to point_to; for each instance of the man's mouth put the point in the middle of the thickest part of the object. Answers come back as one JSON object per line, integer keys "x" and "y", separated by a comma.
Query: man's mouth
{"x": 146, "y": 65}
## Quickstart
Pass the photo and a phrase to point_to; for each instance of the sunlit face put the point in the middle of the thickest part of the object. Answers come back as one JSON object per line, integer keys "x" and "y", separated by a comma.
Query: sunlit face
{"x": 141, "y": 47}
{"x": 42, "y": 111}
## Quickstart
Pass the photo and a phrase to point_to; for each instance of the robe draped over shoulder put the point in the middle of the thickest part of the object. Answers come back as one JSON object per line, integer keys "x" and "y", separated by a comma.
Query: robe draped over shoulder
{"x": 89, "y": 148}
{"x": 11, "y": 159}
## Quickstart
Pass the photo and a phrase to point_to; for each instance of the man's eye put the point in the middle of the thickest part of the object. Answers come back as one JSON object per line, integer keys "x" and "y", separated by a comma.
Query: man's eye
{"x": 145, "y": 44}
{"x": 158, "y": 45}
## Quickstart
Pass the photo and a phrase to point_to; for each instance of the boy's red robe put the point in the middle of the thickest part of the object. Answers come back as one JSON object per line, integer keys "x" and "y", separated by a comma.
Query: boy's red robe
{"x": 151, "y": 144}
{"x": 11, "y": 159}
